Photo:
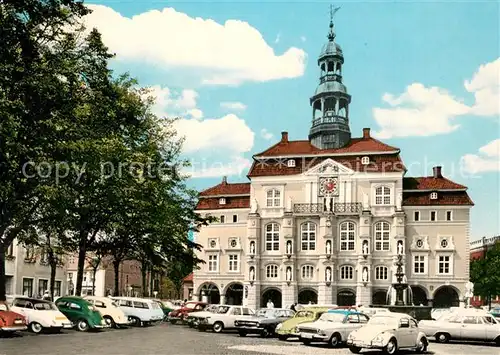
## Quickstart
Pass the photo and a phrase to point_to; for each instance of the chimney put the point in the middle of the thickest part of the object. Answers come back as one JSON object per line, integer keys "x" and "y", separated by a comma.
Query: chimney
{"x": 366, "y": 133}
{"x": 436, "y": 172}
{"x": 284, "y": 137}
{"x": 224, "y": 180}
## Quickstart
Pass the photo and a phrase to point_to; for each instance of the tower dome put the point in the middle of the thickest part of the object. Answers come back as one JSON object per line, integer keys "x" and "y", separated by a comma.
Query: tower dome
{"x": 330, "y": 102}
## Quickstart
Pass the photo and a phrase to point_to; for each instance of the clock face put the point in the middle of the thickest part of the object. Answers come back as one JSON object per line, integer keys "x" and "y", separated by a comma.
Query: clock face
{"x": 328, "y": 186}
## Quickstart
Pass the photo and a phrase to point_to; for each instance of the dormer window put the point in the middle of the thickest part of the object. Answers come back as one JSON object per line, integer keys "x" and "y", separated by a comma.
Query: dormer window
{"x": 222, "y": 201}
{"x": 434, "y": 195}
{"x": 365, "y": 160}
{"x": 291, "y": 163}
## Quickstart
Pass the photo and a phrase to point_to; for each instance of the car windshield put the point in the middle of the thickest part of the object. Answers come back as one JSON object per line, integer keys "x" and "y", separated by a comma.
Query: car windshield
{"x": 332, "y": 317}
{"x": 266, "y": 313}
{"x": 3, "y": 307}
{"x": 190, "y": 305}
{"x": 383, "y": 320}
{"x": 44, "y": 306}
{"x": 222, "y": 309}
{"x": 304, "y": 314}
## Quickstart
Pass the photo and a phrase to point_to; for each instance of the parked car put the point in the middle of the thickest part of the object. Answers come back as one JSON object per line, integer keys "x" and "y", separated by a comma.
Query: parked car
{"x": 40, "y": 315}
{"x": 179, "y": 315}
{"x": 224, "y": 318}
{"x": 81, "y": 313}
{"x": 463, "y": 324}
{"x": 264, "y": 322}
{"x": 289, "y": 328}
{"x": 11, "y": 321}
{"x": 436, "y": 313}
{"x": 332, "y": 327}
{"x": 140, "y": 311}
{"x": 110, "y": 312}
{"x": 389, "y": 332}
{"x": 193, "y": 318}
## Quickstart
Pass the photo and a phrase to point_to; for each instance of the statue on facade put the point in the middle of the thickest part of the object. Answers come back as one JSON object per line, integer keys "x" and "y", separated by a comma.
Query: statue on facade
{"x": 365, "y": 274}
{"x": 328, "y": 204}
{"x": 289, "y": 273}
{"x": 328, "y": 247}
{"x": 400, "y": 200}
{"x": 254, "y": 206}
{"x": 469, "y": 289}
{"x": 289, "y": 204}
{"x": 289, "y": 247}
{"x": 252, "y": 274}
{"x": 252, "y": 247}
{"x": 328, "y": 274}
{"x": 365, "y": 202}
{"x": 400, "y": 248}
{"x": 365, "y": 248}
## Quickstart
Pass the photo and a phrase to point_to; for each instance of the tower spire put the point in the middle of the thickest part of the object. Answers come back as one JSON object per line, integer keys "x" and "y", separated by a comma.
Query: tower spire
{"x": 331, "y": 33}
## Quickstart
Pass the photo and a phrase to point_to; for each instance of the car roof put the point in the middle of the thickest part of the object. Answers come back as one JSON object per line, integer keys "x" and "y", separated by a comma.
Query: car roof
{"x": 470, "y": 312}
{"x": 343, "y": 311}
{"x": 31, "y": 299}
{"x": 394, "y": 315}
{"x": 133, "y": 299}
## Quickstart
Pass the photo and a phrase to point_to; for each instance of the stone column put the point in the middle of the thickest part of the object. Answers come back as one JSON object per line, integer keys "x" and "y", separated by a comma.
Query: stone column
{"x": 289, "y": 294}
{"x": 222, "y": 299}
{"x": 325, "y": 294}
{"x": 251, "y": 299}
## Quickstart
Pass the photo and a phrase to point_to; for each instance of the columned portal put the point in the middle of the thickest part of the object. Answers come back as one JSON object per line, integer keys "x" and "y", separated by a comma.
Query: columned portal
{"x": 346, "y": 297}
{"x": 308, "y": 296}
{"x": 273, "y": 295}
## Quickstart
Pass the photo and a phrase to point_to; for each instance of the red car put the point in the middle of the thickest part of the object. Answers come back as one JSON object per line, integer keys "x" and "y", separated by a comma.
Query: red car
{"x": 11, "y": 321}
{"x": 179, "y": 315}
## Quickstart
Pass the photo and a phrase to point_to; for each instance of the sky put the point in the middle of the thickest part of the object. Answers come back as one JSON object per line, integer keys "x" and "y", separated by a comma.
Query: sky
{"x": 424, "y": 76}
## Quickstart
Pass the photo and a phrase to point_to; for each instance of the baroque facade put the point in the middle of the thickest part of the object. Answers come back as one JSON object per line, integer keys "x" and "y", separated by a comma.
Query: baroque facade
{"x": 322, "y": 220}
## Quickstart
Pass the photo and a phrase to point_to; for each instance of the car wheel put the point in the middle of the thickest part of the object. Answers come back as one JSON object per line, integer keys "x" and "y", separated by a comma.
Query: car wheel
{"x": 242, "y": 334}
{"x": 218, "y": 327}
{"x": 136, "y": 322}
{"x": 392, "y": 347}
{"x": 442, "y": 337}
{"x": 82, "y": 325}
{"x": 35, "y": 327}
{"x": 306, "y": 341}
{"x": 355, "y": 349}
{"x": 282, "y": 337}
{"x": 422, "y": 345}
{"x": 264, "y": 333}
{"x": 110, "y": 322}
{"x": 497, "y": 341}
{"x": 335, "y": 340}
{"x": 173, "y": 321}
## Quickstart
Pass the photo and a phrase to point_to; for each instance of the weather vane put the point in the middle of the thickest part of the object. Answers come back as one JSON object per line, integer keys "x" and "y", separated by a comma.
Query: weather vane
{"x": 333, "y": 11}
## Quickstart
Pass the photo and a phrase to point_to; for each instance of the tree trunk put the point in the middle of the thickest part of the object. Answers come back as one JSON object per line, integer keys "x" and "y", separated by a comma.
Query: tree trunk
{"x": 53, "y": 270}
{"x": 144, "y": 272}
{"x": 116, "y": 269}
{"x": 151, "y": 283}
{"x": 94, "y": 272}
{"x": 3, "y": 279}
{"x": 82, "y": 251}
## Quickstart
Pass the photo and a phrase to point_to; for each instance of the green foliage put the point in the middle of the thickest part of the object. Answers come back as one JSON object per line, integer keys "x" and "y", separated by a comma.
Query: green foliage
{"x": 485, "y": 273}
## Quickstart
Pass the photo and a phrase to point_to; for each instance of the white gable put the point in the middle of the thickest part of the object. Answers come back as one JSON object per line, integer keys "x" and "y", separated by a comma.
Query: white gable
{"x": 329, "y": 167}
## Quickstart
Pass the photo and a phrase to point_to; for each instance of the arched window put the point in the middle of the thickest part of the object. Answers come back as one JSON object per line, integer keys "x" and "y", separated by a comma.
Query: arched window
{"x": 347, "y": 236}
{"x": 308, "y": 236}
{"x": 382, "y": 236}
{"x": 272, "y": 237}
{"x": 273, "y": 198}
{"x": 346, "y": 272}
{"x": 381, "y": 273}
{"x": 382, "y": 195}
{"x": 307, "y": 272}
{"x": 272, "y": 271}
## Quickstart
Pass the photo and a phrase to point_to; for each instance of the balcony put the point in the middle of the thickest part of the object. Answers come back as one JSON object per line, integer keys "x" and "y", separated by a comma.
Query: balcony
{"x": 351, "y": 208}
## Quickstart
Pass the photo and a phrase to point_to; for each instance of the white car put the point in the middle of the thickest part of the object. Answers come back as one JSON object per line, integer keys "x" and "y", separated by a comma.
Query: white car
{"x": 389, "y": 332}
{"x": 110, "y": 311}
{"x": 140, "y": 311}
{"x": 223, "y": 318}
{"x": 463, "y": 324}
{"x": 40, "y": 314}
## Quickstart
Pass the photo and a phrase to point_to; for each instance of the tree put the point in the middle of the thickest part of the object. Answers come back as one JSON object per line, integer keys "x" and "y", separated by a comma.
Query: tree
{"x": 485, "y": 274}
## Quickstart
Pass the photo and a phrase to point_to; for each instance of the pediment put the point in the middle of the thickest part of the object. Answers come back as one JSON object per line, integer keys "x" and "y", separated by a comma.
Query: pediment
{"x": 329, "y": 167}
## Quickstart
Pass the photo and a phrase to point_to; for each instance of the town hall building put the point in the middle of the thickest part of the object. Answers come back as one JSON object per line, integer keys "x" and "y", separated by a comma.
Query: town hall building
{"x": 322, "y": 220}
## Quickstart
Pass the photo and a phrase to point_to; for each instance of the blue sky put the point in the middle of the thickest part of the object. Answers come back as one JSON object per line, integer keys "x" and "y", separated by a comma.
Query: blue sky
{"x": 424, "y": 76}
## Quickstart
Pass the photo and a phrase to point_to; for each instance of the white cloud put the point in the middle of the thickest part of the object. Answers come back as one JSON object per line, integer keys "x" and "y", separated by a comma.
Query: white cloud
{"x": 201, "y": 169}
{"x": 233, "y": 105}
{"x": 487, "y": 160}
{"x": 303, "y": 38}
{"x": 264, "y": 133}
{"x": 229, "y": 53}
{"x": 172, "y": 103}
{"x": 427, "y": 111}
{"x": 278, "y": 38}
{"x": 195, "y": 113}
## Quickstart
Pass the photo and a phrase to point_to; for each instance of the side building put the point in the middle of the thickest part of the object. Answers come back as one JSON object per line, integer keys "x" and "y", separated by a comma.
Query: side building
{"x": 478, "y": 250}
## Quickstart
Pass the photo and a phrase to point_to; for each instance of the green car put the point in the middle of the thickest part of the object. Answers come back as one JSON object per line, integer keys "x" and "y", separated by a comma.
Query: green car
{"x": 80, "y": 312}
{"x": 288, "y": 329}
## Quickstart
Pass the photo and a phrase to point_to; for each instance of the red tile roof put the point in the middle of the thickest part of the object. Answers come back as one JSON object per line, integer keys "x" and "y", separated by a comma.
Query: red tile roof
{"x": 378, "y": 164}
{"x": 188, "y": 278}
{"x": 430, "y": 183}
{"x": 297, "y": 148}
{"x": 231, "y": 202}
{"x": 227, "y": 189}
{"x": 444, "y": 198}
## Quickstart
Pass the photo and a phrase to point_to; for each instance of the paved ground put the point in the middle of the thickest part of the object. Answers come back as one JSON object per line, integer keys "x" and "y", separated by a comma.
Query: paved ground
{"x": 180, "y": 340}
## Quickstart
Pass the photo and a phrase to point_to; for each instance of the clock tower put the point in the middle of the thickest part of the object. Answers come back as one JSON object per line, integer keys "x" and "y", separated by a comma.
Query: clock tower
{"x": 330, "y": 102}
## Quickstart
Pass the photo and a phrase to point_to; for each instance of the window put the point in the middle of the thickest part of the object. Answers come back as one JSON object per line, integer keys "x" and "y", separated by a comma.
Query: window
{"x": 471, "y": 320}
{"x": 308, "y": 233}
{"x": 382, "y": 195}
{"x": 235, "y": 218}
{"x": 291, "y": 163}
{"x": 307, "y": 272}
{"x": 246, "y": 312}
{"x": 347, "y": 236}
{"x": 10, "y": 250}
{"x": 236, "y": 311}
{"x": 419, "y": 264}
{"x": 142, "y": 305}
{"x": 363, "y": 318}
{"x": 365, "y": 160}
{"x": 434, "y": 195}
{"x": 273, "y": 198}
{"x": 213, "y": 263}
{"x": 233, "y": 243}
{"x": 444, "y": 243}
{"x": 433, "y": 216}
{"x": 449, "y": 216}
{"x": 234, "y": 264}
{"x": 444, "y": 265}
{"x": 99, "y": 304}
{"x": 30, "y": 253}
{"x": 272, "y": 271}
{"x": 272, "y": 237}
{"x": 222, "y": 201}
{"x": 28, "y": 287}
{"x": 416, "y": 216}
{"x": 43, "y": 285}
{"x": 222, "y": 219}
{"x": 74, "y": 306}
{"x": 381, "y": 273}
{"x": 346, "y": 272}
{"x": 382, "y": 236}
{"x": 57, "y": 288}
